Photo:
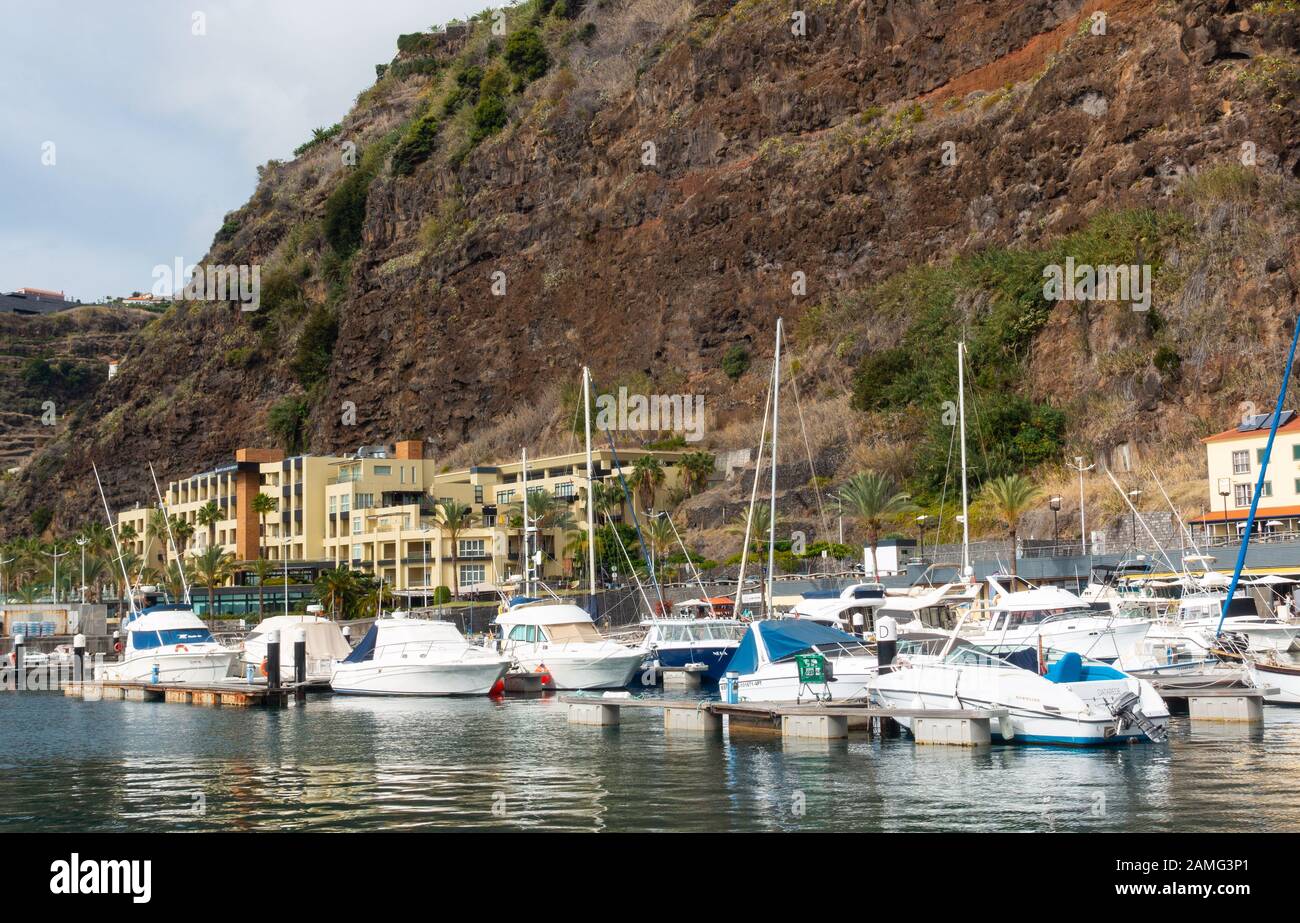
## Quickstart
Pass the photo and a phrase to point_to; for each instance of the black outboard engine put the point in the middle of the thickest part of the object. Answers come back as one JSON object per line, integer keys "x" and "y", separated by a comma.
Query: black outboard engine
{"x": 1129, "y": 715}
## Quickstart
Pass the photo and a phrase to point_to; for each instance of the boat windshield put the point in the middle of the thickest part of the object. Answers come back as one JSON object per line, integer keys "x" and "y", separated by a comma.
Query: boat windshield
{"x": 145, "y": 640}
{"x": 832, "y": 650}
{"x": 973, "y": 657}
{"x": 1018, "y": 618}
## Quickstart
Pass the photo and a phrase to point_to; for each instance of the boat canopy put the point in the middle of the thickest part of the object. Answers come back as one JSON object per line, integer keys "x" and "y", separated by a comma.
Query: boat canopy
{"x": 365, "y": 648}
{"x": 784, "y": 638}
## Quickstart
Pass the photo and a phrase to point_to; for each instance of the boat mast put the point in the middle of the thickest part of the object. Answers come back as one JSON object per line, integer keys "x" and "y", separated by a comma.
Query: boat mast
{"x": 591, "y": 488}
{"x": 126, "y": 581}
{"x": 528, "y": 561}
{"x": 180, "y": 565}
{"x": 961, "y": 416}
{"x": 771, "y": 524}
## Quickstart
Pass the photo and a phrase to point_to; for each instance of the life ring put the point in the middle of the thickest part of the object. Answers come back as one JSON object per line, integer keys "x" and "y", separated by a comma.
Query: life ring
{"x": 182, "y": 649}
{"x": 263, "y": 666}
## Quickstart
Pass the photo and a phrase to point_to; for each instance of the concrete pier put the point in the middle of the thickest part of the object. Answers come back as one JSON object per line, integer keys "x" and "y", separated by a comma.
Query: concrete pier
{"x": 696, "y": 720}
{"x": 594, "y": 713}
{"x": 1239, "y": 707}
{"x": 959, "y": 732}
{"x": 686, "y": 679}
{"x": 815, "y": 727}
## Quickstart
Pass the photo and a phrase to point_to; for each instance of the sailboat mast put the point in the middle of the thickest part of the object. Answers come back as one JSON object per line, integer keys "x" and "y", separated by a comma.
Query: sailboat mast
{"x": 171, "y": 540}
{"x": 776, "y": 416}
{"x": 591, "y": 487}
{"x": 130, "y": 596}
{"x": 528, "y": 560}
{"x": 961, "y": 416}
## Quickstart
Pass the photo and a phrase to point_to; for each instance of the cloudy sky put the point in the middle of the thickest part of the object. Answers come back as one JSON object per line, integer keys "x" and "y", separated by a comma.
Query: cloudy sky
{"x": 155, "y": 132}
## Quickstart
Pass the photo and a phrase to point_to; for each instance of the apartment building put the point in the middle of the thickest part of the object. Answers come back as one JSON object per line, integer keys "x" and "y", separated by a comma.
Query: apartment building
{"x": 1233, "y": 459}
{"x": 376, "y": 511}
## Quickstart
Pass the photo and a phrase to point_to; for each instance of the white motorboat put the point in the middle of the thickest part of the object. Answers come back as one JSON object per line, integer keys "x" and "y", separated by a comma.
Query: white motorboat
{"x": 930, "y": 608}
{"x": 852, "y": 609}
{"x": 773, "y": 662}
{"x": 325, "y": 645}
{"x": 1076, "y": 701}
{"x": 1061, "y": 620}
{"x": 1198, "y": 616}
{"x": 170, "y": 642}
{"x": 1284, "y": 677}
{"x": 561, "y": 639}
{"x": 407, "y": 656}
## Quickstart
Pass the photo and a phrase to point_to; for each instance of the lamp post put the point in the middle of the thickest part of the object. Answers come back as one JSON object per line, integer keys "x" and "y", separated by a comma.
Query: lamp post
{"x": 55, "y": 554}
{"x": 1055, "y": 504}
{"x": 1133, "y": 497}
{"x": 424, "y": 548}
{"x": 4, "y": 578}
{"x": 920, "y": 531}
{"x": 1225, "y": 490}
{"x": 1083, "y": 525}
{"x": 286, "y": 542}
{"x": 82, "y": 542}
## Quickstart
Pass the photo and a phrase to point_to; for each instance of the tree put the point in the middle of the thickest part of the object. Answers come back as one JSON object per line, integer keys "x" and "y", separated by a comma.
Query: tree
{"x": 1010, "y": 497}
{"x": 647, "y": 477}
{"x": 697, "y": 467}
{"x": 526, "y": 54}
{"x": 288, "y": 417}
{"x": 212, "y": 569}
{"x": 338, "y": 589}
{"x": 183, "y": 531}
{"x": 175, "y": 577}
{"x": 261, "y": 569}
{"x": 873, "y": 499}
{"x": 761, "y": 525}
{"x": 155, "y": 529}
{"x": 262, "y": 504}
{"x": 454, "y": 517}
{"x": 659, "y": 538}
{"x": 209, "y": 515}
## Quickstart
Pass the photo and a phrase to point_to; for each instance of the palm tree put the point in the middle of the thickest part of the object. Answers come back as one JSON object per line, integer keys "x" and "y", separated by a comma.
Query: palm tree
{"x": 263, "y": 504}
{"x": 175, "y": 577}
{"x": 1009, "y": 498}
{"x": 454, "y": 517}
{"x": 126, "y": 533}
{"x": 213, "y": 568}
{"x": 659, "y": 537}
{"x": 209, "y": 515}
{"x": 608, "y": 497}
{"x": 155, "y": 528}
{"x": 183, "y": 531}
{"x": 873, "y": 499}
{"x": 261, "y": 569}
{"x": 696, "y": 467}
{"x": 761, "y": 525}
{"x": 647, "y": 477}
{"x": 337, "y": 588}
{"x": 97, "y": 572}
{"x": 375, "y": 598}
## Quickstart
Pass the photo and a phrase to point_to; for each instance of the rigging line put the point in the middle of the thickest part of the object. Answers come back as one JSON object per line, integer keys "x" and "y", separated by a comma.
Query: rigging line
{"x": 1177, "y": 515}
{"x": 753, "y": 497}
{"x": 1137, "y": 518}
{"x": 812, "y": 468}
{"x": 943, "y": 495}
{"x": 631, "y": 569}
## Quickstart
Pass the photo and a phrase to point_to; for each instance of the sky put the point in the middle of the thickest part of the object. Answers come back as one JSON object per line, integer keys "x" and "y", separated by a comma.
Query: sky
{"x": 125, "y": 137}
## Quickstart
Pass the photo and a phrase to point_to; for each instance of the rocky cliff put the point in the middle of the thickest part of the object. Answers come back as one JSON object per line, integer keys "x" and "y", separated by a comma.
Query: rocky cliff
{"x": 644, "y": 185}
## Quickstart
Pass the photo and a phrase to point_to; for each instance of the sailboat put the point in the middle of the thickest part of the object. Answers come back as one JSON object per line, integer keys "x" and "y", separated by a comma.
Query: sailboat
{"x": 1051, "y": 696}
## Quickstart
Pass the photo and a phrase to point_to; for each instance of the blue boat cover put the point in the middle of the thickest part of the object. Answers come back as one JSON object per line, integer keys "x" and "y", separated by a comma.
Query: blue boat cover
{"x": 784, "y": 638}
{"x": 520, "y": 600}
{"x": 365, "y": 649}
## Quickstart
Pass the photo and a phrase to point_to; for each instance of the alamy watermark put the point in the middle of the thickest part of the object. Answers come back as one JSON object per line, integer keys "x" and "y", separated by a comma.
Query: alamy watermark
{"x": 655, "y": 413}
{"x": 1084, "y": 282}
{"x": 209, "y": 283}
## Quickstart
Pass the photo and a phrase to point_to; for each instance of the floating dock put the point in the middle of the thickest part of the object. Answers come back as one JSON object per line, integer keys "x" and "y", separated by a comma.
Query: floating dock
{"x": 959, "y": 727}
{"x": 237, "y": 695}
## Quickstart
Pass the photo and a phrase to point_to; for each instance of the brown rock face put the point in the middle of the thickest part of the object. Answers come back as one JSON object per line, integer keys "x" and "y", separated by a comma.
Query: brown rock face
{"x": 655, "y": 194}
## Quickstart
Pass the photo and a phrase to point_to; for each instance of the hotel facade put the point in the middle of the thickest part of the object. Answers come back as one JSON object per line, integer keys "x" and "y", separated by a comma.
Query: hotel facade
{"x": 1233, "y": 459}
{"x": 376, "y": 511}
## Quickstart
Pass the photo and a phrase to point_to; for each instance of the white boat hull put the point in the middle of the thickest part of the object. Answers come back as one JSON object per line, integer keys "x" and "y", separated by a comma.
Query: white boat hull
{"x": 1099, "y": 639}
{"x": 1287, "y": 682}
{"x": 779, "y": 682}
{"x": 193, "y": 667}
{"x": 426, "y": 679}
{"x": 568, "y": 671}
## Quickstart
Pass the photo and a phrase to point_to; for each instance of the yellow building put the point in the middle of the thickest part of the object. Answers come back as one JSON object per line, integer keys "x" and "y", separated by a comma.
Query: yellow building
{"x": 1233, "y": 459}
{"x": 376, "y": 511}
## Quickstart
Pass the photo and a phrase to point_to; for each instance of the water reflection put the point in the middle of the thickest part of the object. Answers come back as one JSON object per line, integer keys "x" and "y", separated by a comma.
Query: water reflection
{"x": 371, "y": 763}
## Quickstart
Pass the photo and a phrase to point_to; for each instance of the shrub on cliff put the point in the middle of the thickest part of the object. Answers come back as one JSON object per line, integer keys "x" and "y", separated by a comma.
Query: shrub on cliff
{"x": 526, "y": 54}
{"x": 736, "y": 362}
{"x": 417, "y": 143}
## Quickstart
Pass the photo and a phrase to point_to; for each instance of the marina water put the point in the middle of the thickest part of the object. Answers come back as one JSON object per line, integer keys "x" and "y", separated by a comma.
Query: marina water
{"x": 343, "y": 763}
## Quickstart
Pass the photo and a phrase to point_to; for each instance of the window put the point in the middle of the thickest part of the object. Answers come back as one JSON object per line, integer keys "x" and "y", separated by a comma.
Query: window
{"x": 1241, "y": 462}
{"x": 490, "y": 519}
{"x": 383, "y": 470}
{"x": 356, "y": 525}
{"x": 356, "y": 552}
{"x": 519, "y": 633}
{"x": 505, "y": 496}
{"x": 334, "y": 504}
{"x": 1241, "y": 494}
{"x": 1268, "y": 489}
{"x": 471, "y": 573}
{"x": 401, "y": 475}
{"x": 564, "y": 490}
{"x": 471, "y": 547}
{"x": 1295, "y": 452}
{"x": 478, "y": 493}
{"x": 1259, "y": 456}
{"x": 345, "y": 503}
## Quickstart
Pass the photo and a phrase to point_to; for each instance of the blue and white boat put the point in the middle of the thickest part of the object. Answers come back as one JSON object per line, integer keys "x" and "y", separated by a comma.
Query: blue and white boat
{"x": 170, "y": 644}
{"x": 1076, "y": 701}
{"x": 767, "y": 663}
{"x": 684, "y": 640}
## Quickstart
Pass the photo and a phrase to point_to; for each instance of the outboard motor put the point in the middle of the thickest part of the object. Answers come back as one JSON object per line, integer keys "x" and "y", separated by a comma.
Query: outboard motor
{"x": 1129, "y": 715}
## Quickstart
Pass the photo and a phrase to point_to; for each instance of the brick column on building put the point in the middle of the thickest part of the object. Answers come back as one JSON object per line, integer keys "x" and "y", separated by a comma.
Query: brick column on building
{"x": 248, "y": 483}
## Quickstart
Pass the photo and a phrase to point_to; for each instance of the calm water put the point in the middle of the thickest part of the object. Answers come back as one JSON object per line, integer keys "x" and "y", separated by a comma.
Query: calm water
{"x": 365, "y": 763}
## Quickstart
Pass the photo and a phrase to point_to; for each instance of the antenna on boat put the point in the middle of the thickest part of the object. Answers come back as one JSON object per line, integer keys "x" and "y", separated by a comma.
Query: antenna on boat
{"x": 171, "y": 541}
{"x": 689, "y": 563}
{"x": 1177, "y": 515}
{"x": 126, "y": 580}
{"x": 1137, "y": 518}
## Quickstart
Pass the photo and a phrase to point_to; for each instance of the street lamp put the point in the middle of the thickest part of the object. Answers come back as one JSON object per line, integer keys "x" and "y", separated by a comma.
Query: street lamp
{"x": 1225, "y": 490}
{"x": 1055, "y": 504}
{"x": 920, "y": 531}
{"x": 4, "y": 578}
{"x": 82, "y": 542}
{"x": 55, "y": 554}
{"x": 1133, "y": 496}
{"x": 424, "y": 550}
{"x": 1083, "y": 525}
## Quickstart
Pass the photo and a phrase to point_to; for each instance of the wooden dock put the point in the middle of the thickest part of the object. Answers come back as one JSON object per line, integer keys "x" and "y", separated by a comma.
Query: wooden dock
{"x": 961, "y": 727}
{"x": 236, "y": 695}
